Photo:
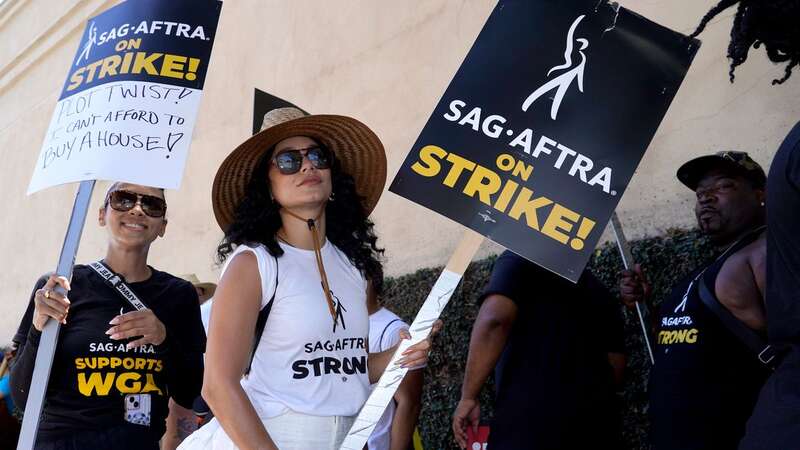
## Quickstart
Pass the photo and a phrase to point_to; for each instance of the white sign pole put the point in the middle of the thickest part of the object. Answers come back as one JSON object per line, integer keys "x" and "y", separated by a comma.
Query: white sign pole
{"x": 627, "y": 261}
{"x": 47, "y": 343}
{"x": 430, "y": 311}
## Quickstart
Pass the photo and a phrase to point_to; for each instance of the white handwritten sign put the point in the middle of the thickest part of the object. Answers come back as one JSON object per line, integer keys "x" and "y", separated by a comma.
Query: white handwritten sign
{"x": 128, "y": 107}
{"x": 134, "y": 131}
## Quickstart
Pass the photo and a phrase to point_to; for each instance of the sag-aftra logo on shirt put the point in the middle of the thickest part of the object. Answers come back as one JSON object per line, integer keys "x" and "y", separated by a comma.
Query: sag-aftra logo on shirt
{"x": 99, "y": 375}
{"x": 332, "y": 363}
{"x": 682, "y": 331}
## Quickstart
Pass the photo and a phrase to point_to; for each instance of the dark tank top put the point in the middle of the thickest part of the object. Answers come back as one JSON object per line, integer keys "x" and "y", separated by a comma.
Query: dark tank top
{"x": 705, "y": 381}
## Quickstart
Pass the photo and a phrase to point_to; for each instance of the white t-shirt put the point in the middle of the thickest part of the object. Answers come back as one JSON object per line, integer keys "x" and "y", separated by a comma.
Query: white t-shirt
{"x": 205, "y": 313}
{"x": 305, "y": 363}
{"x": 384, "y": 333}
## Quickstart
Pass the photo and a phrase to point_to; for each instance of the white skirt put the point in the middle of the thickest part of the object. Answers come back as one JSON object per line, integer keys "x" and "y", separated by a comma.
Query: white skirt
{"x": 289, "y": 431}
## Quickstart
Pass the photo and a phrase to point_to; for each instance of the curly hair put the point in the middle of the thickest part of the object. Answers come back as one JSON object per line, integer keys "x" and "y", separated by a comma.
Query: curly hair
{"x": 257, "y": 220}
{"x": 772, "y": 23}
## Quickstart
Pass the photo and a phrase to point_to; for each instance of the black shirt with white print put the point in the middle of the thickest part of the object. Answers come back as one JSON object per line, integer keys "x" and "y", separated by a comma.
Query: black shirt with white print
{"x": 705, "y": 381}
{"x": 95, "y": 383}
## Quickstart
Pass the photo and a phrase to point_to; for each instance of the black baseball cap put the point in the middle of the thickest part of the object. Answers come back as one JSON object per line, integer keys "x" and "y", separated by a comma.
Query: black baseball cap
{"x": 740, "y": 163}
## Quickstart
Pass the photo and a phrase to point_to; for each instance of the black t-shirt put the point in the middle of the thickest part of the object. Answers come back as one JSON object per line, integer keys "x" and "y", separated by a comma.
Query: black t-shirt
{"x": 555, "y": 387}
{"x": 783, "y": 242}
{"x": 705, "y": 381}
{"x": 95, "y": 383}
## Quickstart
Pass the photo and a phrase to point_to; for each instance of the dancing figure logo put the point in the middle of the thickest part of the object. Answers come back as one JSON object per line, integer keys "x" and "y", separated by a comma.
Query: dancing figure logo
{"x": 87, "y": 47}
{"x": 565, "y": 80}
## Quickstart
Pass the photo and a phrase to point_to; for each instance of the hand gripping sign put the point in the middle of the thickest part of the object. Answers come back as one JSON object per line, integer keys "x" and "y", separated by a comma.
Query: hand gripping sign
{"x": 536, "y": 138}
{"x": 125, "y": 113}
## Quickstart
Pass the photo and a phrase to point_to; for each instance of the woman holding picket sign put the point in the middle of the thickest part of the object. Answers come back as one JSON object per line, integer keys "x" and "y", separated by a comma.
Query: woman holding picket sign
{"x": 293, "y": 201}
{"x": 131, "y": 338}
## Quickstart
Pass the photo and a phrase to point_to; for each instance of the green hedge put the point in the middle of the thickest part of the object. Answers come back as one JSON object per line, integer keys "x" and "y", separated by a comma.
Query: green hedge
{"x": 666, "y": 259}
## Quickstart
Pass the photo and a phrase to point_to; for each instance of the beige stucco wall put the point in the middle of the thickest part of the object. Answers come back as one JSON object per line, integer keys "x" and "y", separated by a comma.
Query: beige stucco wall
{"x": 384, "y": 62}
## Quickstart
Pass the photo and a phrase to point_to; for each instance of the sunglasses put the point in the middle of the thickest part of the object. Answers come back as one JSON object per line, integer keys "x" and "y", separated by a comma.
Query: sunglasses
{"x": 124, "y": 201}
{"x": 290, "y": 161}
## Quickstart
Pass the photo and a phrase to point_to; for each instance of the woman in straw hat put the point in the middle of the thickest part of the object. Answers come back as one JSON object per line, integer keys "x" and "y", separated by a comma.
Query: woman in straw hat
{"x": 293, "y": 201}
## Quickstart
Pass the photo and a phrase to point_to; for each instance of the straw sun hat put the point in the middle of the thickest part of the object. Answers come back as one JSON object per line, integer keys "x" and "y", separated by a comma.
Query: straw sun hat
{"x": 357, "y": 148}
{"x": 209, "y": 288}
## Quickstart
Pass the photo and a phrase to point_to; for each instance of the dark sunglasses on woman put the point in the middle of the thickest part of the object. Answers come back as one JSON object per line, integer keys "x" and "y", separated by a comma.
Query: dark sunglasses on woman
{"x": 124, "y": 201}
{"x": 290, "y": 161}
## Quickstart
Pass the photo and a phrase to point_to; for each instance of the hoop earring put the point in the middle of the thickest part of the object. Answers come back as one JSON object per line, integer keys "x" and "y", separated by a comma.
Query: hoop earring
{"x": 332, "y": 197}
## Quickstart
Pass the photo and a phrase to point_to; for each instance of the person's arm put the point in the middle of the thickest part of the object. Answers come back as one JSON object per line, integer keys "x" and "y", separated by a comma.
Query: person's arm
{"x": 40, "y": 309}
{"x": 414, "y": 356}
{"x": 181, "y": 422}
{"x": 617, "y": 361}
{"x": 489, "y": 336}
{"x": 634, "y": 287}
{"x": 612, "y": 329}
{"x": 406, "y": 413}
{"x": 757, "y": 260}
{"x": 237, "y": 302}
{"x": 741, "y": 282}
{"x": 185, "y": 345}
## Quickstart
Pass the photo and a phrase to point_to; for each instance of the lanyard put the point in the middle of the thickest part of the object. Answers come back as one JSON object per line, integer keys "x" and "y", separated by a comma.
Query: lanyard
{"x": 116, "y": 283}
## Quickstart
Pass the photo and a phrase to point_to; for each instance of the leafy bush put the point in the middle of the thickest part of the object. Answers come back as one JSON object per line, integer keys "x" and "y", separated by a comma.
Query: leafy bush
{"x": 666, "y": 259}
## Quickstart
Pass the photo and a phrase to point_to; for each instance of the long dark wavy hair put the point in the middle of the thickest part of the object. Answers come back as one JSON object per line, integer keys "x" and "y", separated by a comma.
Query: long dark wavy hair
{"x": 772, "y": 23}
{"x": 257, "y": 221}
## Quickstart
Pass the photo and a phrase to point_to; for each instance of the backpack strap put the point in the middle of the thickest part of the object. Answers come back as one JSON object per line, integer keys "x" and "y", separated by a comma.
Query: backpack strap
{"x": 261, "y": 321}
{"x": 766, "y": 353}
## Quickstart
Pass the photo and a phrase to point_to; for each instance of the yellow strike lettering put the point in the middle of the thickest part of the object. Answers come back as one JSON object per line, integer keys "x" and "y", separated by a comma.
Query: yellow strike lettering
{"x": 96, "y": 382}
{"x": 691, "y": 336}
{"x": 505, "y": 162}
{"x": 143, "y": 62}
{"x": 475, "y": 185}
{"x": 681, "y": 336}
{"x": 524, "y": 205}
{"x": 140, "y": 363}
{"x": 173, "y": 66}
{"x": 159, "y": 366}
{"x": 126, "y": 63}
{"x": 76, "y": 78}
{"x": 102, "y": 362}
{"x": 122, "y": 383}
{"x": 92, "y": 68}
{"x": 110, "y": 65}
{"x": 555, "y": 223}
{"x": 134, "y": 44}
{"x": 116, "y": 362}
{"x": 79, "y": 364}
{"x": 459, "y": 164}
{"x": 522, "y": 170}
{"x": 150, "y": 385}
{"x": 505, "y": 196}
{"x": 128, "y": 363}
{"x": 429, "y": 165}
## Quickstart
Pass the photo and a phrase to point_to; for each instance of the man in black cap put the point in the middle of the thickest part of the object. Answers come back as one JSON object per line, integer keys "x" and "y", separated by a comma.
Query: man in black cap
{"x": 710, "y": 356}
{"x": 772, "y": 25}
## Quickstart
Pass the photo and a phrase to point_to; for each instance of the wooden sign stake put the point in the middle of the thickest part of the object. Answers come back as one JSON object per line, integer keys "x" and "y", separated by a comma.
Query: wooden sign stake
{"x": 627, "y": 261}
{"x": 429, "y": 313}
{"x": 49, "y": 339}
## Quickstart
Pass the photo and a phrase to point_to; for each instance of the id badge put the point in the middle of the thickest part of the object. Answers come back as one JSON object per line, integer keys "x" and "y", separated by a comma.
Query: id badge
{"x": 137, "y": 409}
